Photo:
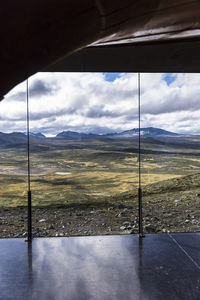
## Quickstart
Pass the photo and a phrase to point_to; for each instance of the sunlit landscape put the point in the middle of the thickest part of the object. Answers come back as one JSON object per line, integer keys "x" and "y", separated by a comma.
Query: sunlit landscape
{"x": 85, "y": 182}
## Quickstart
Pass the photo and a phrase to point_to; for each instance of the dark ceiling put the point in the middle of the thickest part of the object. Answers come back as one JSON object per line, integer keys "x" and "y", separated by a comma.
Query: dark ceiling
{"x": 97, "y": 35}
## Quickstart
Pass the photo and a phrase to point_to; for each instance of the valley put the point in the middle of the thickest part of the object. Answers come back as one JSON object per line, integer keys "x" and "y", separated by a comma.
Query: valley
{"x": 94, "y": 181}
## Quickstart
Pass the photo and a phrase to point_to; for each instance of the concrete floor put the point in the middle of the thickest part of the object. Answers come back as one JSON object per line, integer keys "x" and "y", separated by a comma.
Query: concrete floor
{"x": 160, "y": 266}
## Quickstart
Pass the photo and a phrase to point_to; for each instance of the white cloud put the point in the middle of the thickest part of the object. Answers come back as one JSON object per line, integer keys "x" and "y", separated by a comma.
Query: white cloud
{"x": 87, "y": 102}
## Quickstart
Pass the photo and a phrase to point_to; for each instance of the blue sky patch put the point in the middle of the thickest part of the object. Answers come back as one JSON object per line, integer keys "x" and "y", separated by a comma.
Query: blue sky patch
{"x": 111, "y": 76}
{"x": 169, "y": 78}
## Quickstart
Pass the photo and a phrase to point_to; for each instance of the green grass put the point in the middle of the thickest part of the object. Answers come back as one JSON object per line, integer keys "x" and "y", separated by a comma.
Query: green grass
{"x": 101, "y": 171}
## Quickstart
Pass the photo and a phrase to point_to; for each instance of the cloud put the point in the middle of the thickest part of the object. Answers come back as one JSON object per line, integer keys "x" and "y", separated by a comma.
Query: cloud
{"x": 92, "y": 102}
{"x": 40, "y": 88}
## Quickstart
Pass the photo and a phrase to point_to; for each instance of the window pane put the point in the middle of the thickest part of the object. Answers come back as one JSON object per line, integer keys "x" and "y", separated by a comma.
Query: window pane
{"x": 170, "y": 111}
{"x": 85, "y": 171}
{"x": 13, "y": 164}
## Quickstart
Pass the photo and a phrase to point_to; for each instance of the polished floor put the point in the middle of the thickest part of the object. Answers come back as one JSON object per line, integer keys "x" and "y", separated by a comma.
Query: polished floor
{"x": 160, "y": 266}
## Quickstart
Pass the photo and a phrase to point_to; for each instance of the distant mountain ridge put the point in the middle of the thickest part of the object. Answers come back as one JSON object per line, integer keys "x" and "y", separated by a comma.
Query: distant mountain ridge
{"x": 14, "y": 138}
{"x": 38, "y": 134}
{"x": 76, "y": 135}
{"x": 132, "y": 133}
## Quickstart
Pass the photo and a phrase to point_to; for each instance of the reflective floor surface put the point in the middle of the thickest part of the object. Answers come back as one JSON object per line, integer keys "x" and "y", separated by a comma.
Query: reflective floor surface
{"x": 160, "y": 266}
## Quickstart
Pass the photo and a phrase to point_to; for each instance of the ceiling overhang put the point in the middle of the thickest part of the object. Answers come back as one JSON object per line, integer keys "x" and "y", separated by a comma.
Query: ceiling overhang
{"x": 163, "y": 57}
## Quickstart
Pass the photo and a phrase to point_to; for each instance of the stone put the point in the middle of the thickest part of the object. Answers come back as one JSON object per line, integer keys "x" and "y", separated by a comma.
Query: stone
{"x": 150, "y": 228}
{"x": 126, "y": 223}
{"x": 177, "y": 200}
{"x": 110, "y": 208}
{"x": 122, "y": 227}
{"x": 122, "y": 206}
{"x": 42, "y": 220}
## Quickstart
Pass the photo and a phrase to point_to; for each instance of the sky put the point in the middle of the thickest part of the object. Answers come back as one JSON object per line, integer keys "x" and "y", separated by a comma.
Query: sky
{"x": 103, "y": 103}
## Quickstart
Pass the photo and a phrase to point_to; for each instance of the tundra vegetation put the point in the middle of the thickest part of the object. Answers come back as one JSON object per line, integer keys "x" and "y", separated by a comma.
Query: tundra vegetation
{"x": 89, "y": 185}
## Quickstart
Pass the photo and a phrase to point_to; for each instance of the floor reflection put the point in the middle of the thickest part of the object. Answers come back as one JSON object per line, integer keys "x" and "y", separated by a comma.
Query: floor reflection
{"x": 101, "y": 267}
{"x": 86, "y": 268}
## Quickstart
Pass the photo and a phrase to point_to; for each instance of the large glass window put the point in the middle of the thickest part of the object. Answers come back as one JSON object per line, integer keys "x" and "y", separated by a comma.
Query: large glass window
{"x": 84, "y": 154}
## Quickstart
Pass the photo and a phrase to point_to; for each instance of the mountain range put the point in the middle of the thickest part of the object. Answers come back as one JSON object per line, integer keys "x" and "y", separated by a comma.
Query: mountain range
{"x": 132, "y": 133}
{"x": 21, "y": 138}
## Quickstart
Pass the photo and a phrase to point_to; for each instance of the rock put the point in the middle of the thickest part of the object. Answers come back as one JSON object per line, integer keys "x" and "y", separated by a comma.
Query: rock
{"x": 187, "y": 221}
{"x": 165, "y": 230}
{"x": 150, "y": 228}
{"x": 110, "y": 208}
{"x": 198, "y": 195}
{"x": 122, "y": 227}
{"x": 177, "y": 200}
{"x": 126, "y": 223}
{"x": 122, "y": 206}
{"x": 42, "y": 220}
{"x": 194, "y": 221}
{"x": 51, "y": 227}
{"x": 63, "y": 224}
{"x": 78, "y": 214}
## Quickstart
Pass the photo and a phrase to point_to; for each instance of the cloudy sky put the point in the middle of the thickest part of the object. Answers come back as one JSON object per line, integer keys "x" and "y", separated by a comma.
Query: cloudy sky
{"x": 103, "y": 103}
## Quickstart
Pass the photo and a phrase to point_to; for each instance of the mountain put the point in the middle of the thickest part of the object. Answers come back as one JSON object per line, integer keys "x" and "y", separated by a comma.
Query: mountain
{"x": 37, "y": 134}
{"x": 76, "y": 135}
{"x": 12, "y": 138}
{"x": 19, "y": 138}
{"x": 133, "y": 133}
{"x": 149, "y": 133}
{"x": 144, "y": 132}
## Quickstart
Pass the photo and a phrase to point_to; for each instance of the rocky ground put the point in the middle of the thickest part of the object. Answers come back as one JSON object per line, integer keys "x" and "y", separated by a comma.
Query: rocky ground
{"x": 119, "y": 219}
